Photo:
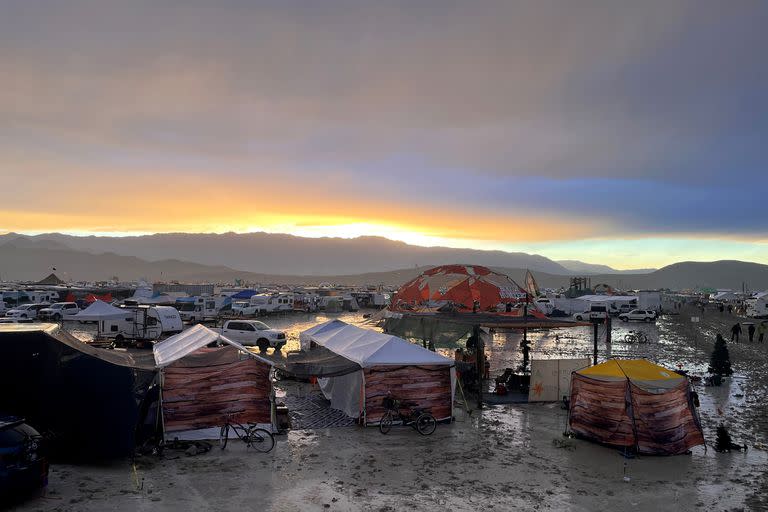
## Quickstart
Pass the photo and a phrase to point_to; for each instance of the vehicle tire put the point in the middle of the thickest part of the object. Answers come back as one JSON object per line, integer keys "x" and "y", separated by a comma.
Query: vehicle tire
{"x": 385, "y": 425}
{"x": 263, "y": 344}
{"x": 648, "y": 319}
{"x": 192, "y": 320}
{"x": 24, "y": 315}
{"x": 426, "y": 424}
{"x": 223, "y": 436}
{"x": 119, "y": 339}
{"x": 579, "y": 318}
{"x": 625, "y": 319}
{"x": 261, "y": 440}
{"x": 239, "y": 313}
{"x": 57, "y": 317}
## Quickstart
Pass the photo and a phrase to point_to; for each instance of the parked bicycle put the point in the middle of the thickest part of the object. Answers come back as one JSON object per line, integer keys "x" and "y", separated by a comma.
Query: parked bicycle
{"x": 254, "y": 437}
{"x": 636, "y": 337}
{"x": 421, "y": 420}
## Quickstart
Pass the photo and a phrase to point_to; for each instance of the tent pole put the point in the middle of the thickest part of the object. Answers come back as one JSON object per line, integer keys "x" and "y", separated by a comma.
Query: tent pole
{"x": 594, "y": 353}
{"x": 478, "y": 365}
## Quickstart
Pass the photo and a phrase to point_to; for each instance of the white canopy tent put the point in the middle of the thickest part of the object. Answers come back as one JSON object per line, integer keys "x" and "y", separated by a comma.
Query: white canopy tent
{"x": 186, "y": 342}
{"x": 206, "y": 381}
{"x": 368, "y": 349}
{"x": 98, "y": 310}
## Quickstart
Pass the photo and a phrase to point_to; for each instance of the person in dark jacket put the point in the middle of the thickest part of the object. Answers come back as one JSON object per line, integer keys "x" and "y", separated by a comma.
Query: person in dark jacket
{"x": 751, "y": 332}
{"x": 735, "y": 332}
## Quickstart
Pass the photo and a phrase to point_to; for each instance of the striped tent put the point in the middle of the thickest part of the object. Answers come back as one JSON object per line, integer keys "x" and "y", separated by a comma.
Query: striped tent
{"x": 635, "y": 404}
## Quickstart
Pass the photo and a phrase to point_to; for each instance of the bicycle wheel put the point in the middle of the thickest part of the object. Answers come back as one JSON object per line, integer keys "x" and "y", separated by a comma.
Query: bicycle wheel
{"x": 223, "y": 436}
{"x": 261, "y": 440}
{"x": 385, "y": 425}
{"x": 426, "y": 424}
{"x": 629, "y": 338}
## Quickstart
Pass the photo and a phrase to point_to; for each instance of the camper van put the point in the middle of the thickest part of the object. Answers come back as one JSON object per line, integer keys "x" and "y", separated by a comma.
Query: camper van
{"x": 544, "y": 305}
{"x": 265, "y": 304}
{"x": 200, "y": 309}
{"x": 757, "y": 308}
{"x": 142, "y": 323}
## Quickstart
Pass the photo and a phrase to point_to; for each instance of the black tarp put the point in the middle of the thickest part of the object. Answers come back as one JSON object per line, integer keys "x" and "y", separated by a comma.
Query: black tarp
{"x": 87, "y": 401}
{"x": 316, "y": 362}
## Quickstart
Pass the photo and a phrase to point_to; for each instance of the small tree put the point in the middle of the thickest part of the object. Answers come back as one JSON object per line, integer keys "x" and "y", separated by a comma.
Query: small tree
{"x": 720, "y": 361}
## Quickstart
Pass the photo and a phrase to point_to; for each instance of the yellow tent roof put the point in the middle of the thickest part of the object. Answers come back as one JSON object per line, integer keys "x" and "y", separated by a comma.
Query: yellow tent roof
{"x": 634, "y": 369}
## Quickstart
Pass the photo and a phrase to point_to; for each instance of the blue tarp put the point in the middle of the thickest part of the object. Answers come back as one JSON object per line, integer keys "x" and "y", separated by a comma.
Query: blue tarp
{"x": 245, "y": 294}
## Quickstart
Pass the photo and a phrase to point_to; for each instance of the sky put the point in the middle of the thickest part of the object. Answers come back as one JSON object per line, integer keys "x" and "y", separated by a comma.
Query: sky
{"x": 631, "y": 134}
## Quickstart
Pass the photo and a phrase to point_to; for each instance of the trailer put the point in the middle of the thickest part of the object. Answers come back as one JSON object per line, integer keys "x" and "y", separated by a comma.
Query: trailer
{"x": 142, "y": 323}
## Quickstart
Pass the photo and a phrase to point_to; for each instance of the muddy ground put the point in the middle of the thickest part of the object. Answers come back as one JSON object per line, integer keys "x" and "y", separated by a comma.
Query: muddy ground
{"x": 499, "y": 458}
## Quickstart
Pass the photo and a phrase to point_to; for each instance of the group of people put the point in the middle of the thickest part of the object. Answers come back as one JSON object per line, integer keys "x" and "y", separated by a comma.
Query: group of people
{"x": 761, "y": 331}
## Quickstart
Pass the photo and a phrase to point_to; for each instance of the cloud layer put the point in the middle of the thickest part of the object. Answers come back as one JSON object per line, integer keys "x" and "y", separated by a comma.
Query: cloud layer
{"x": 451, "y": 119}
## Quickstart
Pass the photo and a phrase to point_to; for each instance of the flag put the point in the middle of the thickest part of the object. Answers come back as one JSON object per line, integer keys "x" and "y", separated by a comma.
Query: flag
{"x": 530, "y": 284}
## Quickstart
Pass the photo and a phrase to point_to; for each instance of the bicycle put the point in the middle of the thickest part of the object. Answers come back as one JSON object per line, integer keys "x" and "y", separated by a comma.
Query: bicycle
{"x": 636, "y": 337}
{"x": 421, "y": 420}
{"x": 254, "y": 437}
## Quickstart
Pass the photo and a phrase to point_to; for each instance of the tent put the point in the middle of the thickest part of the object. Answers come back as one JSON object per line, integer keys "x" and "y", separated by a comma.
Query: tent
{"x": 635, "y": 404}
{"x": 50, "y": 280}
{"x": 460, "y": 285}
{"x": 388, "y": 364}
{"x": 202, "y": 384}
{"x": 97, "y": 311}
{"x": 244, "y": 294}
{"x": 90, "y": 402}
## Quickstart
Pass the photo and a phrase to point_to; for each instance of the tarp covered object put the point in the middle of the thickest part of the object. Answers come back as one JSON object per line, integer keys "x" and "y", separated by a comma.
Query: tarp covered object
{"x": 635, "y": 404}
{"x": 551, "y": 378}
{"x": 189, "y": 341}
{"x": 389, "y": 364}
{"x": 99, "y": 310}
{"x": 460, "y": 285}
{"x": 87, "y": 400}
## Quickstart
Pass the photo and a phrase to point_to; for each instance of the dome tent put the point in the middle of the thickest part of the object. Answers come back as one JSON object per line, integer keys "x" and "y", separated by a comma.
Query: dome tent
{"x": 461, "y": 285}
{"x": 635, "y": 404}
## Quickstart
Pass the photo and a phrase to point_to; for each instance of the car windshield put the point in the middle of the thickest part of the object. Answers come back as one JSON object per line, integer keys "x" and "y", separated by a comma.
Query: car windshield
{"x": 261, "y": 326}
{"x": 57, "y": 306}
{"x": 187, "y": 306}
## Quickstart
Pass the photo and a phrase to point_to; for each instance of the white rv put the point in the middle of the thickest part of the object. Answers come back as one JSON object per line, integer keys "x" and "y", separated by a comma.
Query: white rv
{"x": 757, "y": 308}
{"x": 265, "y": 304}
{"x": 142, "y": 323}
{"x": 201, "y": 310}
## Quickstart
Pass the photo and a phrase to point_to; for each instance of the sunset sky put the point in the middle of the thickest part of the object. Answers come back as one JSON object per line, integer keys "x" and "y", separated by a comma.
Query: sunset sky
{"x": 633, "y": 134}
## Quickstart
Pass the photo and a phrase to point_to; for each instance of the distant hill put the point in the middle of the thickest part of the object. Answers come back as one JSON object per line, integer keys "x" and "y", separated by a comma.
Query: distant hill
{"x": 580, "y": 267}
{"x": 31, "y": 263}
{"x": 286, "y": 254}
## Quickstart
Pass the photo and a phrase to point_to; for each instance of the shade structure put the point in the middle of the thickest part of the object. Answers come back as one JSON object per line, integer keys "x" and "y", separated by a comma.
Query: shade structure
{"x": 460, "y": 285}
{"x": 201, "y": 385}
{"x": 99, "y": 310}
{"x": 635, "y": 404}
{"x": 388, "y": 366}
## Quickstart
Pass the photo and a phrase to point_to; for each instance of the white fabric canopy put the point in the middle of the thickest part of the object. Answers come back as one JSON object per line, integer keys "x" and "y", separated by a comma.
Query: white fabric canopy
{"x": 369, "y": 348}
{"x": 99, "y": 310}
{"x": 182, "y": 344}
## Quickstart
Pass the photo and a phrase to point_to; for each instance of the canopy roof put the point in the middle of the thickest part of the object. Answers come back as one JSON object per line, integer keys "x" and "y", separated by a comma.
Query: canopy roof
{"x": 99, "y": 310}
{"x": 638, "y": 371}
{"x": 50, "y": 279}
{"x": 460, "y": 285}
{"x": 193, "y": 339}
{"x": 370, "y": 348}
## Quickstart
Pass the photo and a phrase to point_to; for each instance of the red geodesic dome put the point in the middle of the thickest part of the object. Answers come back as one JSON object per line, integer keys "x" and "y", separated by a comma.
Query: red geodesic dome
{"x": 461, "y": 285}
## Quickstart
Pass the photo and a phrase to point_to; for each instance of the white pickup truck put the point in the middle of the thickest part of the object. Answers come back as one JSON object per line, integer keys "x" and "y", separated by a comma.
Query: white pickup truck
{"x": 253, "y": 333}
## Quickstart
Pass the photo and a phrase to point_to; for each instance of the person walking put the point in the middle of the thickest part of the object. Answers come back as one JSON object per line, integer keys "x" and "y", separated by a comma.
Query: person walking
{"x": 751, "y": 332}
{"x": 761, "y": 332}
{"x": 735, "y": 332}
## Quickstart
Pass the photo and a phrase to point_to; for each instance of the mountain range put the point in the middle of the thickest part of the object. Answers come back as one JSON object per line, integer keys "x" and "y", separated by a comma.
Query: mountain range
{"x": 32, "y": 257}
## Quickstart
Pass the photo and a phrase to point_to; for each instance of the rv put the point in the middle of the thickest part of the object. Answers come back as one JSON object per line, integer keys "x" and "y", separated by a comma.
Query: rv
{"x": 757, "y": 308}
{"x": 265, "y": 304}
{"x": 544, "y": 305}
{"x": 142, "y": 323}
{"x": 199, "y": 309}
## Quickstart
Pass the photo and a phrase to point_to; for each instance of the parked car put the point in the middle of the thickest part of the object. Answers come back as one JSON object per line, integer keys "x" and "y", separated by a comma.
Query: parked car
{"x": 58, "y": 310}
{"x": 253, "y": 333}
{"x": 26, "y": 311}
{"x": 596, "y": 312}
{"x": 638, "y": 315}
{"x": 243, "y": 308}
{"x": 23, "y": 462}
